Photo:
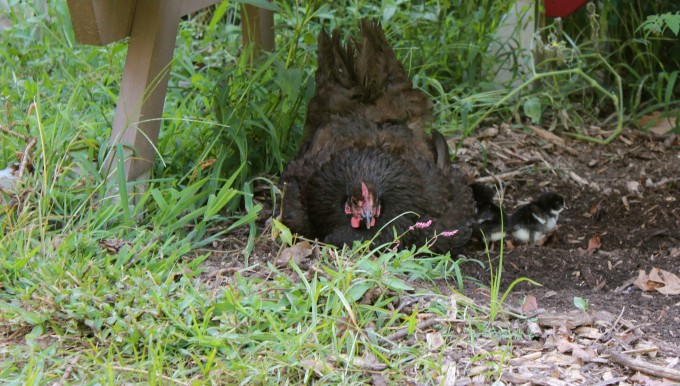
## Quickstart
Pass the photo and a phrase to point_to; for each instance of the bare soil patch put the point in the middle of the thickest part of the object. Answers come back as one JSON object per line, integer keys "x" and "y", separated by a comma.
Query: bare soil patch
{"x": 623, "y": 217}
{"x": 625, "y": 194}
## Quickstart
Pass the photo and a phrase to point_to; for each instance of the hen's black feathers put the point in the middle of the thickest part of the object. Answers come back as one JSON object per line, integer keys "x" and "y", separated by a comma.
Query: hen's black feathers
{"x": 365, "y": 125}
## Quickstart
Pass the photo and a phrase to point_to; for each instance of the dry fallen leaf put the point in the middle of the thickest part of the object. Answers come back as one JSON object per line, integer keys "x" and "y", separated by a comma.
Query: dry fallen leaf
{"x": 208, "y": 163}
{"x": 564, "y": 341}
{"x": 317, "y": 366}
{"x": 675, "y": 252}
{"x": 644, "y": 283}
{"x": 114, "y": 245}
{"x": 489, "y": 132}
{"x": 379, "y": 379}
{"x": 633, "y": 187}
{"x": 297, "y": 252}
{"x": 588, "y": 332}
{"x": 434, "y": 340}
{"x": 451, "y": 372}
{"x": 530, "y": 304}
{"x": 659, "y": 126}
{"x": 593, "y": 245}
{"x": 658, "y": 280}
{"x": 585, "y": 354}
{"x": 671, "y": 281}
{"x": 642, "y": 379}
{"x": 595, "y": 209}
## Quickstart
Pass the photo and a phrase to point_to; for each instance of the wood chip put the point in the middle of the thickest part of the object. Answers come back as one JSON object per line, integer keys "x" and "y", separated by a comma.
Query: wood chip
{"x": 570, "y": 319}
{"x": 548, "y": 136}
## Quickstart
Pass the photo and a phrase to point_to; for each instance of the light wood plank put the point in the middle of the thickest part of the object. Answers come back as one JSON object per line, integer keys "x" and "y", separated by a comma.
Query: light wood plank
{"x": 257, "y": 27}
{"x": 188, "y": 7}
{"x": 100, "y": 22}
{"x": 145, "y": 81}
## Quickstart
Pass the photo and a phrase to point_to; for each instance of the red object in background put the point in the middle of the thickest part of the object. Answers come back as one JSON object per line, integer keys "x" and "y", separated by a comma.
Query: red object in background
{"x": 562, "y": 8}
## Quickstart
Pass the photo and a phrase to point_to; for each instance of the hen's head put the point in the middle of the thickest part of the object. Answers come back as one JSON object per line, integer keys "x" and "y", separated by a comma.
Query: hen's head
{"x": 362, "y": 204}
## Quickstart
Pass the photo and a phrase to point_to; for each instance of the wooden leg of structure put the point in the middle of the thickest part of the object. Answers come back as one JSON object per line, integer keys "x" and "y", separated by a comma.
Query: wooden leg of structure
{"x": 145, "y": 80}
{"x": 257, "y": 28}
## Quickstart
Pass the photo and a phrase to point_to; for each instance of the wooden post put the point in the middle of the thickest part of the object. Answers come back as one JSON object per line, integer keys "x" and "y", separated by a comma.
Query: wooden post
{"x": 145, "y": 81}
{"x": 137, "y": 121}
{"x": 257, "y": 28}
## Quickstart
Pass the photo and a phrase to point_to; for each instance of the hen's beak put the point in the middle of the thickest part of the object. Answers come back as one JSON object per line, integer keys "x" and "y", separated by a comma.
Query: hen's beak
{"x": 368, "y": 216}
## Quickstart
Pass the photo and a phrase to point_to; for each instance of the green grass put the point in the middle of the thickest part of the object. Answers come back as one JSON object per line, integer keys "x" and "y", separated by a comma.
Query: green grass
{"x": 95, "y": 290}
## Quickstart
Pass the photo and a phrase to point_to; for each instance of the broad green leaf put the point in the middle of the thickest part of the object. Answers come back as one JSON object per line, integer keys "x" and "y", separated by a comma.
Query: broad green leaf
{"x": 581, "y": 303}
{"x": 532, "y": 109}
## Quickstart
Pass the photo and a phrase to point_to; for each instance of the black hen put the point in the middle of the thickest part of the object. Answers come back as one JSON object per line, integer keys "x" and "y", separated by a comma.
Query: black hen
{"x": 366, "y": 162}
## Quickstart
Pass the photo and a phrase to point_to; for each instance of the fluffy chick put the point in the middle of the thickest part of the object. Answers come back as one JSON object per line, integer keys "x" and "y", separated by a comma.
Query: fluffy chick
{"x": 533, "y": 222}
{"x": 491, "y": 220}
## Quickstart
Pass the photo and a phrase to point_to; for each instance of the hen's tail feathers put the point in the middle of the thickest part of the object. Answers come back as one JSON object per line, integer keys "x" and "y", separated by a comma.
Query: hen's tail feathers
{"x": 384, "y": 82}
{"x": 364, "y": 77}
{"x": 378, "y": 69}
{"x": 336, "y": 84}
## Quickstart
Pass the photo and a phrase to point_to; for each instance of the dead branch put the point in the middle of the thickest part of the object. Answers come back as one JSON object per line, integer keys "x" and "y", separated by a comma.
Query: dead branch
{"x": 645, "y": 367}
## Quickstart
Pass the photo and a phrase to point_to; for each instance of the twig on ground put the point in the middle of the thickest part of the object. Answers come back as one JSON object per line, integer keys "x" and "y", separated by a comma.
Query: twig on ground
{"x": 548, "y": 165}
{"x": 645, "y": 367}
{"x": 14, "y": 133}
{"x": 25, "y": 157}
{"x": 613, "y": 326}
{"x": 510, "y": 154}
{"x": 502, "y": 176}
{"x": 359, "y": 362}
{"x": 68, "y": 372}
{"x": 612, "y": 381}
{"x": 547, "y": 135}
{"x": 223, "y": 271}
{"x": 664, "y": 181}
{"x": 403, "y": 332}
{"x": 580, "y": 180}
{"x": 531, "y": 379}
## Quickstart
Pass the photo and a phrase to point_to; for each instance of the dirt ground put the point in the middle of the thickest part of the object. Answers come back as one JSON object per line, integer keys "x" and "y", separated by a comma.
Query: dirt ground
{"x": 623, "y": 216}
{"x": 625, "y": 194}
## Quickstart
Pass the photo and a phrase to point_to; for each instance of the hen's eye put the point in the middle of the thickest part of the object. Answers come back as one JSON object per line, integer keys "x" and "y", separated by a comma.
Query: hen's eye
{"x": 354, "y": 201}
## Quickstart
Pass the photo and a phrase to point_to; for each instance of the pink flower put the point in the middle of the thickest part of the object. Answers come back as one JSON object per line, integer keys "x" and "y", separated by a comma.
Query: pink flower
{"x": 449, "y": 233}
{"x": 420, "y": 225}
{"x": 395, "y": 248}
